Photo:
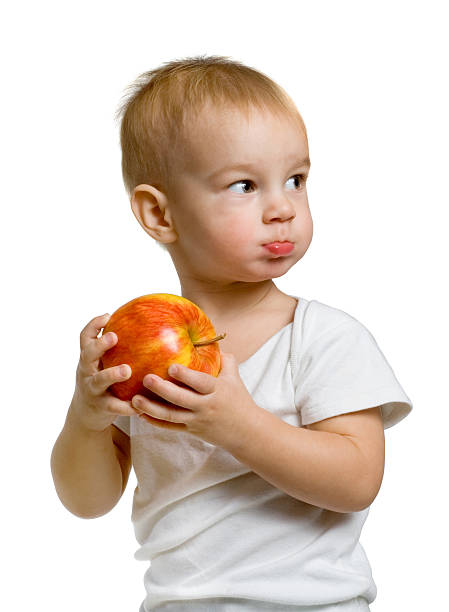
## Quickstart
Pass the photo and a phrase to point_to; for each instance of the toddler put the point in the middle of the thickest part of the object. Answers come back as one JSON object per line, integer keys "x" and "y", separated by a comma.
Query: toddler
{"x": 253, "y": 486}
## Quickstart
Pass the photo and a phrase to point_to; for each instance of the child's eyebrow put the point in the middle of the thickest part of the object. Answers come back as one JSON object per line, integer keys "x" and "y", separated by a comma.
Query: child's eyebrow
{"x": 301, "y": 163}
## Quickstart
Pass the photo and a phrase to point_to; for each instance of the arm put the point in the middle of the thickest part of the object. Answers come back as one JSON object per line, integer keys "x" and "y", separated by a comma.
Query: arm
{"x": 90, "y": 461}
{"x": 335, "y": 464}
{"x": 90, "y": 468}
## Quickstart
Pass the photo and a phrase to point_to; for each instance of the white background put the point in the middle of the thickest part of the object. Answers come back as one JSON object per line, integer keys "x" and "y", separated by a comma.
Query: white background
{"x": 369, "y": 79}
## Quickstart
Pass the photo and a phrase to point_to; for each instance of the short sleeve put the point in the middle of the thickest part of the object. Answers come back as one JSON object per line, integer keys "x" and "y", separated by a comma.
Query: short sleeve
{"x": 122, "y": 422}
{"x": 343, "y": 370}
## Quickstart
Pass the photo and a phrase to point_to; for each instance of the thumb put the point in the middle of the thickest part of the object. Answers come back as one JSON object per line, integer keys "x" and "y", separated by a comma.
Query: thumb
{"x": 228, "y": 362}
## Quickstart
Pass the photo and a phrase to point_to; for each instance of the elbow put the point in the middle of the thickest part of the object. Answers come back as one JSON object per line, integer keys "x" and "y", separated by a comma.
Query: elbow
{"x": 85, "y": 512}
{"x": 362, "y": 506}
{"x": 357, "y": 505}
{"x": 368, "y": 493}
{"x": 91, "y": 515}
{"x": 82, "y": 508}
{"x": 370, "y": 480}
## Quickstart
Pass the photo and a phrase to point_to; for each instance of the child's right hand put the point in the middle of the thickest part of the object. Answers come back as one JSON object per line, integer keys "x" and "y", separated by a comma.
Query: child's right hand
{"x": 93, "y": 405}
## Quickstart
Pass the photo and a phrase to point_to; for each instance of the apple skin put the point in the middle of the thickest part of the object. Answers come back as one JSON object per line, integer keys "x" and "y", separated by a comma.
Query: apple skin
{"x": 154, "y": 331}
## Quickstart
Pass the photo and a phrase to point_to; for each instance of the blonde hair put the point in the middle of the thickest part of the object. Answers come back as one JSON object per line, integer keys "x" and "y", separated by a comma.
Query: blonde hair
{"x": 157, "y": 107}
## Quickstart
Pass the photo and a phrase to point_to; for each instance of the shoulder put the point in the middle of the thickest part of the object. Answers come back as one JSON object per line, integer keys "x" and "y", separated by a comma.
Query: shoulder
{"x": 319, "y": 320}
{"x": 318, "y": 313}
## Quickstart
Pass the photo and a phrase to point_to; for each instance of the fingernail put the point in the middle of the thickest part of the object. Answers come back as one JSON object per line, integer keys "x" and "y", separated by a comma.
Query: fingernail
{"x": 136, "y": 401}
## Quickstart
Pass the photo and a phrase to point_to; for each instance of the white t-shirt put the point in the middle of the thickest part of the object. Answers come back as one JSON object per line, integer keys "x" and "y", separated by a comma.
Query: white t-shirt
{"x": 209, "y": 527}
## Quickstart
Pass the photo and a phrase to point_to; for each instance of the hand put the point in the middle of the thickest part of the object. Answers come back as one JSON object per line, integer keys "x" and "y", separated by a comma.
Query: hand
{"x": 213, "y": 408}
{"x": 94, "y": 406}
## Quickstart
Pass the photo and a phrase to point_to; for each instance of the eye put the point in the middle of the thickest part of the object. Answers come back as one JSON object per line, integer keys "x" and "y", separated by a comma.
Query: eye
{"x": 300, "y": 179}
{"x": 246, "y": 181}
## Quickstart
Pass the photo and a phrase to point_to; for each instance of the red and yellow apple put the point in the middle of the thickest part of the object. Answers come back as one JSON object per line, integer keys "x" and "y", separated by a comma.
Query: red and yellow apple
{"x": 155, "y": 331}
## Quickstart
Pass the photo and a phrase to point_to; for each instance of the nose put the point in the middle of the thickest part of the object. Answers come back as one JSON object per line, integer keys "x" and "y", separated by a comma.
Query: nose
{"x": 278, "y": 209}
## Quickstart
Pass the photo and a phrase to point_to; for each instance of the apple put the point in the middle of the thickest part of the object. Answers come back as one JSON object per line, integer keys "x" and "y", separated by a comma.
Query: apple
{"x": 154, "y": 331}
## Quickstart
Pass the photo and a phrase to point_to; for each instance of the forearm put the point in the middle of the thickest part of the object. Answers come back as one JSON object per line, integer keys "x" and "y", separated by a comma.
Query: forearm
{"x": 320, "y": 468}
{"x": 86, "y": 470}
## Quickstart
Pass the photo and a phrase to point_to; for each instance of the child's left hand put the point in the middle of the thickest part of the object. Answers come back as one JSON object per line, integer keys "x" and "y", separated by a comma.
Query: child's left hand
{"x": 213, "y": 409}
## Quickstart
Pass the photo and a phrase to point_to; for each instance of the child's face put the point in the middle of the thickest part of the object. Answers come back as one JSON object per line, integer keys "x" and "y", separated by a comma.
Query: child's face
{"x": 223, "y": 219}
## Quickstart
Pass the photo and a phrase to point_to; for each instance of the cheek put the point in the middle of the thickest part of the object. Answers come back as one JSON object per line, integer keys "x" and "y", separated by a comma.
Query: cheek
{"x": 304, "y": 228}
{"x": 229, "y": 234}
{"x": 305, "y": 221}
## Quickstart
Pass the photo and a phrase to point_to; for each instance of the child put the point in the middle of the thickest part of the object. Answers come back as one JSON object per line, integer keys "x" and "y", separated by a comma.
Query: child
{"x": 253, "y": 486}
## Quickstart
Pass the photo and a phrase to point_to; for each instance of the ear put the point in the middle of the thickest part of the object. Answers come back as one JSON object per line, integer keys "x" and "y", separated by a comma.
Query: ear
{"x": 151, "y": 209}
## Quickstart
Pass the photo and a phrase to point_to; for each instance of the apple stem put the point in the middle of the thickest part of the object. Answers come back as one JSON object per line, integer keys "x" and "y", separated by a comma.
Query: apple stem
{"x": 204, "y": 342}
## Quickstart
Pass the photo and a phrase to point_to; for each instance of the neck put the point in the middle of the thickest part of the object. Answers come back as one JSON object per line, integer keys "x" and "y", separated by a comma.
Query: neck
{"x": 226, "y": 302}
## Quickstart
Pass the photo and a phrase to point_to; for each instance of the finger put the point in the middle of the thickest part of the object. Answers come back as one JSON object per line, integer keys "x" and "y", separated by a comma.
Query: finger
{"x": 120, "y": 407}
{"x": 95, "y": 349}
{"x": 92, "y": 329}
{"x": 228, "y": 363}
{"x": 158, "y": 410}
{"x": 171, "y": 392}
{"x": 103, "y": 379}
{"x": 163, "y": 424}
{"x": 200, "y": 381}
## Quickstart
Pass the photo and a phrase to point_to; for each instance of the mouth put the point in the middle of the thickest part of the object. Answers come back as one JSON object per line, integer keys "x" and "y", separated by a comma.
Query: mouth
{"x": 280, "y": 248}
